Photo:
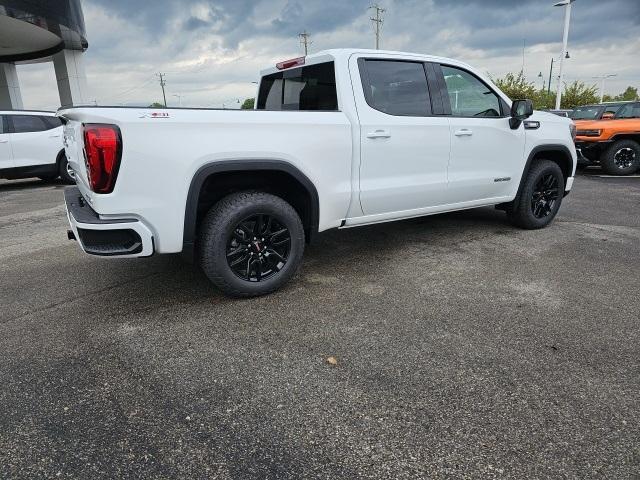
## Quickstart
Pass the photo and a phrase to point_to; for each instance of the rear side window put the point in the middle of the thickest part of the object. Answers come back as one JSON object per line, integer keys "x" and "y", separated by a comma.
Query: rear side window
{"x": 28, "y": 123}
{"x": 52, "y": 122}
{"x": 306, "y": 88}
{"x": 396, "y": 88}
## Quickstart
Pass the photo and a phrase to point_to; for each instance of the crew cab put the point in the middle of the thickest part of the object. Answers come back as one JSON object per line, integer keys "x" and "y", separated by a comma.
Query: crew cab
{"x": 338, "y": 139}
{"x": 614, "y": 144}
{"x": 31, "y": 146}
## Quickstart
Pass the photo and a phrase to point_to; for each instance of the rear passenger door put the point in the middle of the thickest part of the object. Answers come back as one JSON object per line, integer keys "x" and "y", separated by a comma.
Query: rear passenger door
{"x": 404, "y": 148}
{"x": 6, "y": 156}
{"x": 36, "y": 139}
{"x": 486, "y": 154}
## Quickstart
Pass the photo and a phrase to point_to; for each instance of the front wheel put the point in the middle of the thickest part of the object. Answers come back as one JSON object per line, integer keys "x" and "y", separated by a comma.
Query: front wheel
{"x": 251, "y": 244}
{"x": 540, "y": 197}
{"x": 621, "y": 158}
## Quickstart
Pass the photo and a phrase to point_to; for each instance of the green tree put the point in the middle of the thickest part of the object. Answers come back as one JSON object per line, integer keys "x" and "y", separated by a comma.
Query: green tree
{"x": 516, "y": 87}
{"x": 248, "y": 104}
{"x": 631, "y": 93}
{"x": 578, "y": 93}
{"x": 156, "y": 105}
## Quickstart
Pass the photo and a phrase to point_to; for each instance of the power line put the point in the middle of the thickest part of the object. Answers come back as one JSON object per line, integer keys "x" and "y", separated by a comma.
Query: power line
{"x": 162, "y": 84}
{"x": 304, "y": 41}
{"x": 130, "y": 90}
{"x": 377, "y": 22}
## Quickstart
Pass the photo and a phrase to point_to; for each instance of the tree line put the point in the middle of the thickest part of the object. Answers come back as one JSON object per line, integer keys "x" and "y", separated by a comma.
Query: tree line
{"x": 574, "y": 94}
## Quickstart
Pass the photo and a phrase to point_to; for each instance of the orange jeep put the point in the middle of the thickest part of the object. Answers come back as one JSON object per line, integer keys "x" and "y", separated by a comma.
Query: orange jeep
{"x": 614, "y": 144}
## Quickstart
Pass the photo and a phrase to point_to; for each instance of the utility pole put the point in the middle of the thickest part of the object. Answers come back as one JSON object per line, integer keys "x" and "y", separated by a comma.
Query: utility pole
{"x": 603, "y": 78}
{"x": 304, "y": 41}
{"x": 377, "y": 22}
{"x": 162, "y": 84}
{"x": 550, "y": 74}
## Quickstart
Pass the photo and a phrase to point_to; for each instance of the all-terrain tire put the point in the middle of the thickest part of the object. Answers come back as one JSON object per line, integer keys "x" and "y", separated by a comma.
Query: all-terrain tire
{"x": 221, "y": 227}
{"x": 621, "y": 158}
{"x": 526, "y": 211}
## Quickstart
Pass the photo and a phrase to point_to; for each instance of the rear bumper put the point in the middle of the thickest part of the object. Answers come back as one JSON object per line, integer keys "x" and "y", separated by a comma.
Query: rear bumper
{"x": 112, "y": 237}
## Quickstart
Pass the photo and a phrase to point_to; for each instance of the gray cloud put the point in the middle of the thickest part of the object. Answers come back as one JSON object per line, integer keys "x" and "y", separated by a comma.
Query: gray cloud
{"x": 212, "y": 49}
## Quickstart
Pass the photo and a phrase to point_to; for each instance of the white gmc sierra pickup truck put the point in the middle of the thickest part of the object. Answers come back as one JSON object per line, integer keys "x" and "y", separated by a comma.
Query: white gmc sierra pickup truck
{"x": 338, "y": 139}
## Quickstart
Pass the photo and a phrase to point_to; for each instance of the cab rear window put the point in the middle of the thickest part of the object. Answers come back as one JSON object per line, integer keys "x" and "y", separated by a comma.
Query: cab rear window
{"x": 306, "y": 88}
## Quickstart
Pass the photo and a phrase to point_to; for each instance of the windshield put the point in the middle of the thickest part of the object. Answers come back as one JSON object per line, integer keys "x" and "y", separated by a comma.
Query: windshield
{"x": 630, "y": 110}
{"x": 586, "y": 113}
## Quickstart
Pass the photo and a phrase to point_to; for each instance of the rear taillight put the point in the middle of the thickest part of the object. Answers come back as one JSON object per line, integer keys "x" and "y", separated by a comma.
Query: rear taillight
{"x": 103, "y": 150}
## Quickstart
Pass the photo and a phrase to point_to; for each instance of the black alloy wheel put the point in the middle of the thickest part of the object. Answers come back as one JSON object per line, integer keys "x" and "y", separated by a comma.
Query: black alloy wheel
{"x": 258, "y": 248}
{"x": 250, "y": 243}
{"x": 545, "y": 195}
{"x": 621, "y": 158}
{"x": 540, "y": 196}
{"x": 624, "y": 157}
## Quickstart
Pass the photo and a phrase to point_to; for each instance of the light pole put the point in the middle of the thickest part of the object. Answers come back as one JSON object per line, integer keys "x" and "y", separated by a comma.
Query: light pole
{"x": 179, "y": 99}
{"x": 541, "y": 78}
{"x": 565, "y": 38}
{"x": 603, "y": 78}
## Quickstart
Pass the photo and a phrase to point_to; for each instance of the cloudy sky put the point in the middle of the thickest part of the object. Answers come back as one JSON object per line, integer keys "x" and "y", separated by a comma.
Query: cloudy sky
{"x": 211, "y": 50}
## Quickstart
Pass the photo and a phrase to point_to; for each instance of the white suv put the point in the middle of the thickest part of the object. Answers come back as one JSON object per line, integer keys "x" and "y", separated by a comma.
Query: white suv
{"x": 31, "y": 146}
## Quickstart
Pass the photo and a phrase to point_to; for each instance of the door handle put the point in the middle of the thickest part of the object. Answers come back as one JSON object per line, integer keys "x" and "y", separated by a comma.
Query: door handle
{"x": 379, "y": 134}
{"x": 54, "y": 136}
{"x": 463, "y": 132}
{"x": 4, "y": 141}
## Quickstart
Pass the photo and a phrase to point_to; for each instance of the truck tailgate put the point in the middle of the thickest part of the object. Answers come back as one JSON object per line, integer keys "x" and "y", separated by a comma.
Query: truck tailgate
{"x": 74, "y": 150}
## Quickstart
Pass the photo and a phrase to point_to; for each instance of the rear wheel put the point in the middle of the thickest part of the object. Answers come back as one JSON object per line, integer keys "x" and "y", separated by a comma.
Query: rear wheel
{"x": 65, "y": 171}
{"x": 621, "y": 158}
{"x": 540, "y": 197}
{"x": 251, "y": 244}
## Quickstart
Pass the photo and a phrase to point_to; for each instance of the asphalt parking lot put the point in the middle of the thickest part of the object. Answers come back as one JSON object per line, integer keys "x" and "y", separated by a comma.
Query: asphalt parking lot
{"x": 465, "y": 349}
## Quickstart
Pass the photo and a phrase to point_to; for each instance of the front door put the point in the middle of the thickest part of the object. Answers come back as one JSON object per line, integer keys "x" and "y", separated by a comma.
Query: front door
{"x": 404, "y": 150}
{"x": 486, "y": 154}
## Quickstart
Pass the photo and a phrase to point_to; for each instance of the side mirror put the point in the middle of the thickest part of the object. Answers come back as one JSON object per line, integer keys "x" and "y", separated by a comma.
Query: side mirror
{"x": 520, "y": 110}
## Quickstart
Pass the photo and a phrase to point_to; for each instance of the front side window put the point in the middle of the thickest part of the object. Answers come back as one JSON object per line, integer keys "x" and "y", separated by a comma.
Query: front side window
{"x": 28, "y": 123}
{"x": 397, "y": 88}
{"x": 306, "y": 88}
{"x": 3, "y": 129}
{"x": 468, "y": 95}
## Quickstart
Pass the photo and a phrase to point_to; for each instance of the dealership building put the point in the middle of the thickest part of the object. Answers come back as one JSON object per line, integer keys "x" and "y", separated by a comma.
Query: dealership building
{"x": 33, "y": 31}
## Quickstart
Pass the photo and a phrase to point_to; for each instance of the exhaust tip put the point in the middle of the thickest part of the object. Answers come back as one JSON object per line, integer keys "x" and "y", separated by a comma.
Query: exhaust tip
{"x": 71, "y": 235}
